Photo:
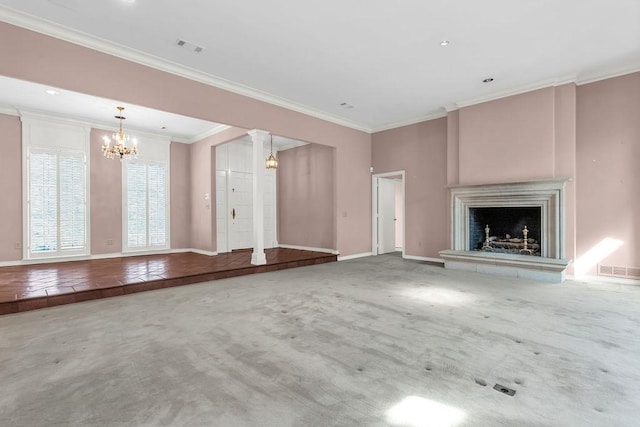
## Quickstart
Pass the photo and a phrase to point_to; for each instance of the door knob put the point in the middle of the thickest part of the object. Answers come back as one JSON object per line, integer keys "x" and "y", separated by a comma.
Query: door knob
{"x": 233, "y": 213}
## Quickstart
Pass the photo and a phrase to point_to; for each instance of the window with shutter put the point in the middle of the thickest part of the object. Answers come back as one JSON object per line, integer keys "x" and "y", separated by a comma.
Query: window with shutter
{"x": 146, "y": 189}
{"x": 56, "y": 202}
{"x": 55, "y": 190}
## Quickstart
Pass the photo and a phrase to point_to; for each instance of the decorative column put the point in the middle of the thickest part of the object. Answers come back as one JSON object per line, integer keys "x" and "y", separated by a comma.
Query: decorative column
{"x": 258, "y": 137}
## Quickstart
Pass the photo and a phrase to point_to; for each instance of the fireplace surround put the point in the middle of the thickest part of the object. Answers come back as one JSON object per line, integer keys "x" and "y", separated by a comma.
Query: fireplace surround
{"x": 506, "y": 208}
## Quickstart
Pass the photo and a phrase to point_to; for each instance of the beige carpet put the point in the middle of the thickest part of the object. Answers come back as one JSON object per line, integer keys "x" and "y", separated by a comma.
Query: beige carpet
{"x": 369, "y": 342}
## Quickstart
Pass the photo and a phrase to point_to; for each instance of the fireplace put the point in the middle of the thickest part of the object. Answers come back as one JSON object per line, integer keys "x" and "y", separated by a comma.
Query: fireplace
{"x": 489, "y": 223}
{"x": 502, "y": 229}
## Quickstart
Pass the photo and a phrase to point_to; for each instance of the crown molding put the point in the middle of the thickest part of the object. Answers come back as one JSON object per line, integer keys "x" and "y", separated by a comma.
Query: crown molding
{"x": 290, "y": 146}
{"x": 517, "y": 91}
{"x": 8, "y": 110}
{"x": 608, "y": 73}
{"x": 420, "y": 119}
{"x": 206, "y": 134}
{"x": 80, "y": 38}
{"x": 97, "y": 125}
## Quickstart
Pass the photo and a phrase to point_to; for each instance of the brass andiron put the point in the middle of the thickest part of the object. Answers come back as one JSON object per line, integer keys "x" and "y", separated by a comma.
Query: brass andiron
{"x": 486, "y": 246}
{"x": 524, "y": 249}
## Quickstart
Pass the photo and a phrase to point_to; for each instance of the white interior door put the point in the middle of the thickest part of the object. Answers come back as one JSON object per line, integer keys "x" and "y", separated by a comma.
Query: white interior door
{"x": 240, "y": 210}
{"x": 221, "y": 211}
{"x": 234, "y": 198}
{"x": 386, "y": 216}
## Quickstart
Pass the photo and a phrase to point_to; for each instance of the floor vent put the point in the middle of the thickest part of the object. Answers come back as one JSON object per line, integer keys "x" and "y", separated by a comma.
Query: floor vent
{"x": 624, "y": 272}
{"x": 505, "y": 390}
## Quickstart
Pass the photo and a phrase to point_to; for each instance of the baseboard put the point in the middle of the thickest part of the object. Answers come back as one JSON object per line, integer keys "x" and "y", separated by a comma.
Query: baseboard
{"x": 603, "y": 279}
{"x": 103, "y": 256}
{"x": 354, "y": 256}
{"x": 423, "y": 258}
{"x": 197, "y": 251}
{"x": 308, "y": 248}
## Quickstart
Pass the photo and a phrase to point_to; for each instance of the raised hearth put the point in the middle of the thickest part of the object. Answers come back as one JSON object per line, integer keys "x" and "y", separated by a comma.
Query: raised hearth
{"x": 488, "y": 229}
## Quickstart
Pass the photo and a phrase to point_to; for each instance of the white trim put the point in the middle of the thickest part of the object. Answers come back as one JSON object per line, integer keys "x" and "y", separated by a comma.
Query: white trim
{"x": 103, "y": 256}
{"x": 516, "y": 91}
{"x": 608, "y": 74}
{"x": 374, "y": 209}
{"x": 9, "y": 111}
{"x": 92, "y": 42}
{"x": 308, "y": 248}
{"x": 10, "y": 263}
{"x": 93, "y": 124}
{"x": 290, "y": 146}
{"x": 423, "y": 258}
{"x": 206, "y": 134}
{"x": 603, "y": 279}
{"x": 196, "y": 251}
{"x": 420, "y": 119}
{"x": 354, "y": 256}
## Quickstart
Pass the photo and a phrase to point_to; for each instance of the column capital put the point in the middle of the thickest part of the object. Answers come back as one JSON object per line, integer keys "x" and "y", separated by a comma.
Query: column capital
{"x": 258, "y": 134}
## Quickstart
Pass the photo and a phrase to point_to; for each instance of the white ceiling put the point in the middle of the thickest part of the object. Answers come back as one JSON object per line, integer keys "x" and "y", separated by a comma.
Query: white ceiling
{"x": 383, "y": 57}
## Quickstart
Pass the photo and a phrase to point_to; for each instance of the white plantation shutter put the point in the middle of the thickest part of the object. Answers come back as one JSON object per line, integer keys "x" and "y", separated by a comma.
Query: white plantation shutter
{"x": 157, "y": 204}
{"x": 147, "y": 197}
{"x": 136, "y": 205}
{"x": 71, "y": 201}
{"x": 43, "y": 189}
{"x": 56, "y": 216}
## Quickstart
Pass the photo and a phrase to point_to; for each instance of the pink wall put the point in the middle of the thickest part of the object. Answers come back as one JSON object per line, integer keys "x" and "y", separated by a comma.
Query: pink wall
{"x": 608, "y": 157}
{"x": 46, "y": 60}
{"x": 180, "y": 191}
{"x": 105, "y": 198}
{"x": 10, "y": 188}
{"x": 506, "y": 140}
{"x": 306, "y": 196}
{"x": 421, "y": 151}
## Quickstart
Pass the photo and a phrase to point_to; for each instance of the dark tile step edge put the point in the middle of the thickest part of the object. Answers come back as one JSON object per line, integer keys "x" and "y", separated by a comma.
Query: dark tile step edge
{"x": 70, "y": 298}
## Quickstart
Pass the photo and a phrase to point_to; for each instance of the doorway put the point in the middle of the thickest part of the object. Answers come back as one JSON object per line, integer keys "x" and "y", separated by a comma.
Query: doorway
{"x": 388, "y": 213}
{"x": 234, "y": 198}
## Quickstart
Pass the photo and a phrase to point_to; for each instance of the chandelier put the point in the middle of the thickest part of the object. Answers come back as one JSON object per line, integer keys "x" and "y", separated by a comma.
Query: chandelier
{"x": 272, "y": 162}
{"x": 119, "y": 148}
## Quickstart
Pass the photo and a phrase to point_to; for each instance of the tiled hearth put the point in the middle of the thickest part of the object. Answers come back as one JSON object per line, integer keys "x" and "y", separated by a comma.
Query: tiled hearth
{"x": 545, "y": 197}
{"x": 30, "y": 287}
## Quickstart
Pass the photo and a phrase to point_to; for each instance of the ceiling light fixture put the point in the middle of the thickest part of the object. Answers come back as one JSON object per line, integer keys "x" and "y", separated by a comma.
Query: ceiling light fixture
{"x": 444, "y": 42}
{"x": 119, "y": 149}
{"x": 272, "y": 162}
{"x": 52, "y": 92}
{"x": 488, "y": 80}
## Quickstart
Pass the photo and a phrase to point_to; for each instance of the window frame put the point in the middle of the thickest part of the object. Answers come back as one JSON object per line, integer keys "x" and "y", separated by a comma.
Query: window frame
{"x": 52, "y": 135}
{"x": 152, "y": 150}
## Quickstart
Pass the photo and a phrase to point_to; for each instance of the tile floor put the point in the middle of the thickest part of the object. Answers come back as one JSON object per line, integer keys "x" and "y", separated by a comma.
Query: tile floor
{"x": 30, "y": 287}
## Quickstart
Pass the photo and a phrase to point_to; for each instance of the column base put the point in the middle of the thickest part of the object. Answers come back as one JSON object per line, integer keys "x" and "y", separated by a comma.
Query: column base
{"x": 258, "y": 258}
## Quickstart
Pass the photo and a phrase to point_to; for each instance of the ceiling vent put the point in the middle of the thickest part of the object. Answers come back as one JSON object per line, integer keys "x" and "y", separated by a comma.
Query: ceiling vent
{"x": 189, "y": 46}
{"x": 346, "y": 106}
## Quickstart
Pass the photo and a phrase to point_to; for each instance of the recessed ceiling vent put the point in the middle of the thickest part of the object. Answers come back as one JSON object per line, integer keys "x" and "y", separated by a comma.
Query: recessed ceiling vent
{"x": 190, "y": 46}
{"x": 346, "y": 106}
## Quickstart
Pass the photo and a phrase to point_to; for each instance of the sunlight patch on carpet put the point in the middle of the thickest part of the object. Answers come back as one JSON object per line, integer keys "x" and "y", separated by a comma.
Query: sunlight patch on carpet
{"x": 414, "y": 411}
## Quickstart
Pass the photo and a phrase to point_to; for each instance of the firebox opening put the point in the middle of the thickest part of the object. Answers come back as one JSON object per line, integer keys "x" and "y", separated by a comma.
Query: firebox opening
{"x": 505, "y": 226}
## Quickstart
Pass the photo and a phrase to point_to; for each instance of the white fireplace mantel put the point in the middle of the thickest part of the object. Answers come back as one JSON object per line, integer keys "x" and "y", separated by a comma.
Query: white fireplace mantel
{"x": 548, "y": 195}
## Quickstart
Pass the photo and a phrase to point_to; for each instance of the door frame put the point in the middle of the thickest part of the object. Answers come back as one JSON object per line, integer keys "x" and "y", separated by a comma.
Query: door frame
{"x": 374, "y": 209}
